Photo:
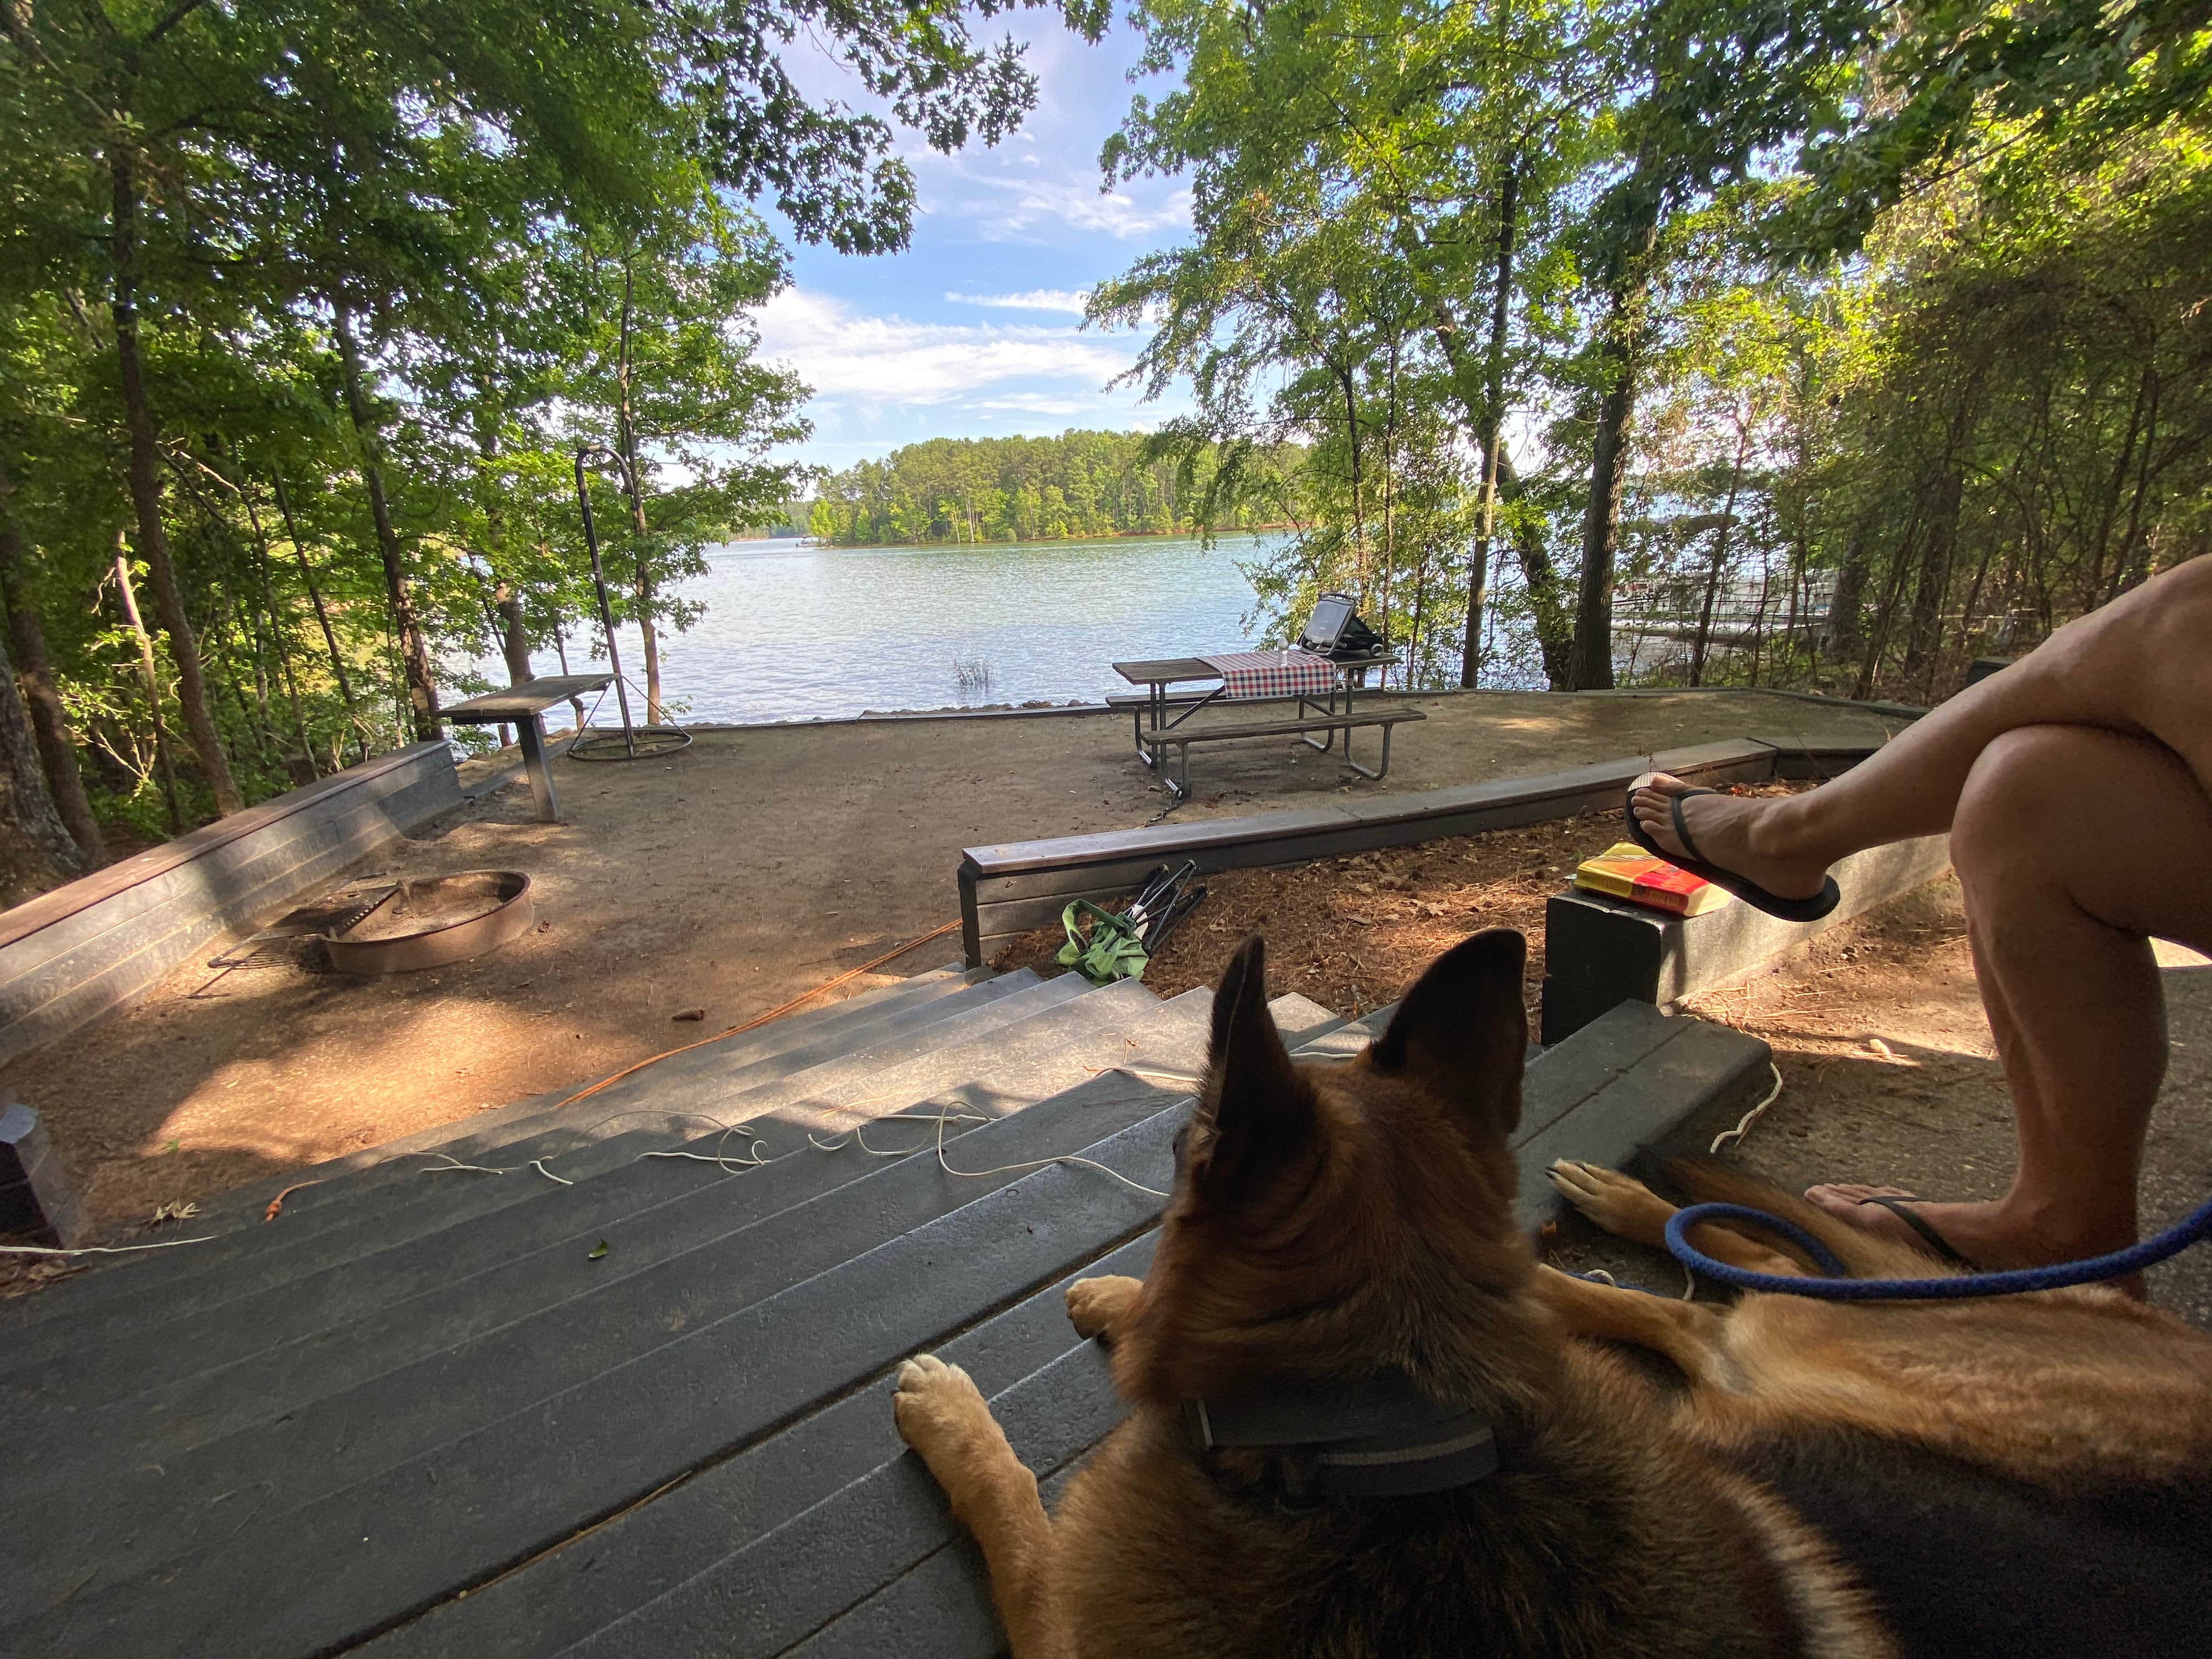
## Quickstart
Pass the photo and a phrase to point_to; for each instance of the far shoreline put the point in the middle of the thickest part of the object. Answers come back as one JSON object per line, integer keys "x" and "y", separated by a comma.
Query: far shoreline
{"x": 1034, "y": 541}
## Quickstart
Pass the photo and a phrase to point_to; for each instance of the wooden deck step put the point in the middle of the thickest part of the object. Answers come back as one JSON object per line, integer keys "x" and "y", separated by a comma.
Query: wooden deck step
{"x": 533, "y": 1469}
{"x": 376, "y": 1207}
{"x": 777, "y": 1037}
{"x": 231, "y": 1366}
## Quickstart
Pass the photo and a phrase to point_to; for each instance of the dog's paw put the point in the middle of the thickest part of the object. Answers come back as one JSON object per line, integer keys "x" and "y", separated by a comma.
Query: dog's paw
{"x": 1620, "y": 1204}
{"x": 937, "y": 1407}
{"x": 1095, "y": 1304}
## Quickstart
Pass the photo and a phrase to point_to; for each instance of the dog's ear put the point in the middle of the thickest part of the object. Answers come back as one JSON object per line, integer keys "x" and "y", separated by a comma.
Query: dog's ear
{"x": 1462, "y": 1031}
{"x": 1261, "y": 1110}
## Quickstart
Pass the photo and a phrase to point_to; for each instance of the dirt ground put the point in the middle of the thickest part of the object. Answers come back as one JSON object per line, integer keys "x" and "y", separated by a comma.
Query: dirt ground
{"x": 744, "y": 871}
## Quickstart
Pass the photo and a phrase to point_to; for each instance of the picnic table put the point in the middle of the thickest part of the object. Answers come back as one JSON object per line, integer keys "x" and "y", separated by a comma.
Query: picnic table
{"x": 523, "y": 706}
{"x": 1315, "y": 681}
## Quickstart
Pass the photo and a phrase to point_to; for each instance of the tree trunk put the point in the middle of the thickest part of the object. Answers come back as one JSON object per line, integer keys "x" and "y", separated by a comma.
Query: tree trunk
{"x": 1924, "y": 624}
{"x": 513, "y": 642}
{"x": 414, "y": 656}
{"x": 277, "y": 627}
{"x": 1720, "y": 559}
{"x": 626, "y": 433}
{"x": 36, "y": 850}
{"x": 146, "y": 493}
{"x": 322, "y": 617}
{"x": 1593, "y": 655}
{"x": 560, "y": 651}
{"x": 34, "y": 678}
{"x": 1493, "y": 433}
{"x": 1846, "y": 628}
{"x": 152, "y": 673}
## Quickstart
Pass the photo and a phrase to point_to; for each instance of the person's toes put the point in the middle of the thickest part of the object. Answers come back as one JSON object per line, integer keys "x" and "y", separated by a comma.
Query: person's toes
{"x": 1847, "y": 1201}
{"x": 1843, "y": 1197}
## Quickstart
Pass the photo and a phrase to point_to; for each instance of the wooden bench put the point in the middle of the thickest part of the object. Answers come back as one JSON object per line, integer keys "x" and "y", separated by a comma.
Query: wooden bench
{"x": 1182, "y": 738}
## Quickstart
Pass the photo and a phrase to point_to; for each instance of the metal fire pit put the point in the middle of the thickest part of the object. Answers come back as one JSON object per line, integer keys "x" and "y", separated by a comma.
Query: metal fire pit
{"x": 393, "y": 949}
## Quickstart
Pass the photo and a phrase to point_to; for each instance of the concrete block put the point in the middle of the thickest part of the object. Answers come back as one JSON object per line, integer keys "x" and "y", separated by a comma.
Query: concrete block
{"x": 36, "y": 1195}
{"x": 1599, "y": 952}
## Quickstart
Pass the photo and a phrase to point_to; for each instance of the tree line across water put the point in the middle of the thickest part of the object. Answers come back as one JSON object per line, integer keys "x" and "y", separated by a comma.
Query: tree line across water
{"x": 1815, "y": 342}
{"x": 1079, "y": 484}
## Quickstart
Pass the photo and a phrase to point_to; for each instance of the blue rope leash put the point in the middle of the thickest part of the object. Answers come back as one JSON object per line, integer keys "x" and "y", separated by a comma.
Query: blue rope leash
{"x": 1955, "y": 1287}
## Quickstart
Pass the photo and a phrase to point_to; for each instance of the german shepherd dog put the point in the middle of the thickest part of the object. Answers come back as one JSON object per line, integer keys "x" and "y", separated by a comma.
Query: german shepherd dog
{"x": 2026, "y": 1475}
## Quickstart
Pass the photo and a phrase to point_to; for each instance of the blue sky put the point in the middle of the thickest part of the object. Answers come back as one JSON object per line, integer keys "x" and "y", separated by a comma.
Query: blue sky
{"x": 975, "y": 330}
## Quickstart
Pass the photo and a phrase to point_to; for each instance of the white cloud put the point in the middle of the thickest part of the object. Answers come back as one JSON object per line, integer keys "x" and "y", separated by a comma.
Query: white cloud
{"x": 847, "y": 355}
{"x": 1022, "y": 203}
{"x": 1068, "y": 299}
{"x": 1038, "y": 402}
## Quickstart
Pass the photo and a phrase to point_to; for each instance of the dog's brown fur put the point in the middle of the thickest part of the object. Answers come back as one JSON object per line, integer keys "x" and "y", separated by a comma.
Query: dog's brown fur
{"x": 1331, "y": 1218}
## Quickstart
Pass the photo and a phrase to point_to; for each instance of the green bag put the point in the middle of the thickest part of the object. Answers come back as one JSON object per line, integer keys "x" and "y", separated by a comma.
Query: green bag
{"x": 1113, "y": 952}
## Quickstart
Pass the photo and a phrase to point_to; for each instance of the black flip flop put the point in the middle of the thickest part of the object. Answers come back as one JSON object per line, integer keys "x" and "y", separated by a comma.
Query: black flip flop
{"x": 1934, "y": 1240}
{"x": 1789, "y": 910}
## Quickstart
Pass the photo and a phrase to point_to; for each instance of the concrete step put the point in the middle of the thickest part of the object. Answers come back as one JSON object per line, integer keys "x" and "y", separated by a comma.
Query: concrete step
{"x": 1302, "y": 1020}
{"x": 380, "y": 1207}
{"x": 167, "y": 1579}
{"x": 240, "y": 1230}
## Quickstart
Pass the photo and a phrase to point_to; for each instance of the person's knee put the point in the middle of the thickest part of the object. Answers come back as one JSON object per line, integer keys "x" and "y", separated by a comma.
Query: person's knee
{"x": 2014, "y": 791}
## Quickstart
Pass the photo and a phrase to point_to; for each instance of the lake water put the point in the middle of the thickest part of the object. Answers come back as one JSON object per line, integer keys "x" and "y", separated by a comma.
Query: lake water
{"x": 793, "y": 630}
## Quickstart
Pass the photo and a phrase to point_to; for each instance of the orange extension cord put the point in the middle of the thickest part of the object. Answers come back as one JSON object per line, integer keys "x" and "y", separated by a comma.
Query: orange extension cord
{"x": 277, "y": 1204}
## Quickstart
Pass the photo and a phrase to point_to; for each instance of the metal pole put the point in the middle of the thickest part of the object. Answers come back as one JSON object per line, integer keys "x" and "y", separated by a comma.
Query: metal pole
{"x": 599, "y": 583}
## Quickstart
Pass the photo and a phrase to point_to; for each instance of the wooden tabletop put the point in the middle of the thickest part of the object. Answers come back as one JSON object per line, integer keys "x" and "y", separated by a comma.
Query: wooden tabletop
{"x": 518, "y": 702}
{"x": 1165, "y": 671}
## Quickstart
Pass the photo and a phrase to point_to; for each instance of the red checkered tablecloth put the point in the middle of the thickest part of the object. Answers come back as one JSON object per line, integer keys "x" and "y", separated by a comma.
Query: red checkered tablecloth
{"x": 1274, "y": 673}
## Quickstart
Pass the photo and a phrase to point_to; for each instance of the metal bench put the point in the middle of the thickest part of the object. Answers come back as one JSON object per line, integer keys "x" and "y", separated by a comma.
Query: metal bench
{"x": 1181, "y": 737}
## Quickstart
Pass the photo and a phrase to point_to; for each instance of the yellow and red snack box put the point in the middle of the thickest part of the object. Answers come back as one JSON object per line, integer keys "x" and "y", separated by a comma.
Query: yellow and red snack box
{"x": 1625, "y": 871}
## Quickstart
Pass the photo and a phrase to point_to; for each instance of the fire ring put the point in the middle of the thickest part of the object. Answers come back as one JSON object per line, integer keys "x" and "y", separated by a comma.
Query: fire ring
{"x": 433, "y": 921}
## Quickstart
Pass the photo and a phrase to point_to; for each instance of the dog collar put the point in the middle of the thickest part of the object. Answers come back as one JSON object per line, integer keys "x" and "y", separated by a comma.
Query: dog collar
{"x": 1371, "y": 1436}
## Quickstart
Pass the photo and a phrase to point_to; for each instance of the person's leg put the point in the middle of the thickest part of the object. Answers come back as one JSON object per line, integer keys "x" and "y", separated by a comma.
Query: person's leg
{"x": 2142, "y": 666}
{"x": 2073, "y": 846}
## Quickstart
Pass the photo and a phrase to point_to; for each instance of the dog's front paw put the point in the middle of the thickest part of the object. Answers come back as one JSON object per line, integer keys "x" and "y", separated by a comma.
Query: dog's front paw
{"x": 1620, "y": 1204}
{"x": 937, "y": 1407}
{"x": 1096, "y": 1305}
{"x": 941, "y": 1413}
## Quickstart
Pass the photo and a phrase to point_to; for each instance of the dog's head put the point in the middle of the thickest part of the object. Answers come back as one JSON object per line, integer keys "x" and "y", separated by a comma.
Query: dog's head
{"x": 1328, "y": 1217}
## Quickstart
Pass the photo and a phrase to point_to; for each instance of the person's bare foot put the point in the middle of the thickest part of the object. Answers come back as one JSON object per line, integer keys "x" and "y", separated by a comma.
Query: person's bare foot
{"x": 1733, "y": 833}
{"x": 1989, "y": 1237}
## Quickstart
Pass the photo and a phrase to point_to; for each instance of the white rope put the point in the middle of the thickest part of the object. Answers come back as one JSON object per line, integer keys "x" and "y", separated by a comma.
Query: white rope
{"x": 1743, "y": 1125}
{"x": 102, "y": 1249}
{"x": 452, "y": 1163}
{"x": 1036, "y": 1164}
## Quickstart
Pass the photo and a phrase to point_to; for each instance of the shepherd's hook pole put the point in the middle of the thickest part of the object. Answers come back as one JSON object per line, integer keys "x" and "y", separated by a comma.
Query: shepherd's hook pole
{"x": 599, "y": 583}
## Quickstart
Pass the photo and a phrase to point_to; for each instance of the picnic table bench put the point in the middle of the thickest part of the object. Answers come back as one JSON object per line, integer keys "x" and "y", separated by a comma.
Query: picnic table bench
{"x": 1155, "y": 732}
{"x": 523, "y": 706}
{"x": 1180, "y": 740}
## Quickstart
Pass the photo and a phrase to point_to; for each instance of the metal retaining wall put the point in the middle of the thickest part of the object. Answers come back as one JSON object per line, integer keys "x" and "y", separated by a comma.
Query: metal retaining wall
{"x": 72, "y": 955}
